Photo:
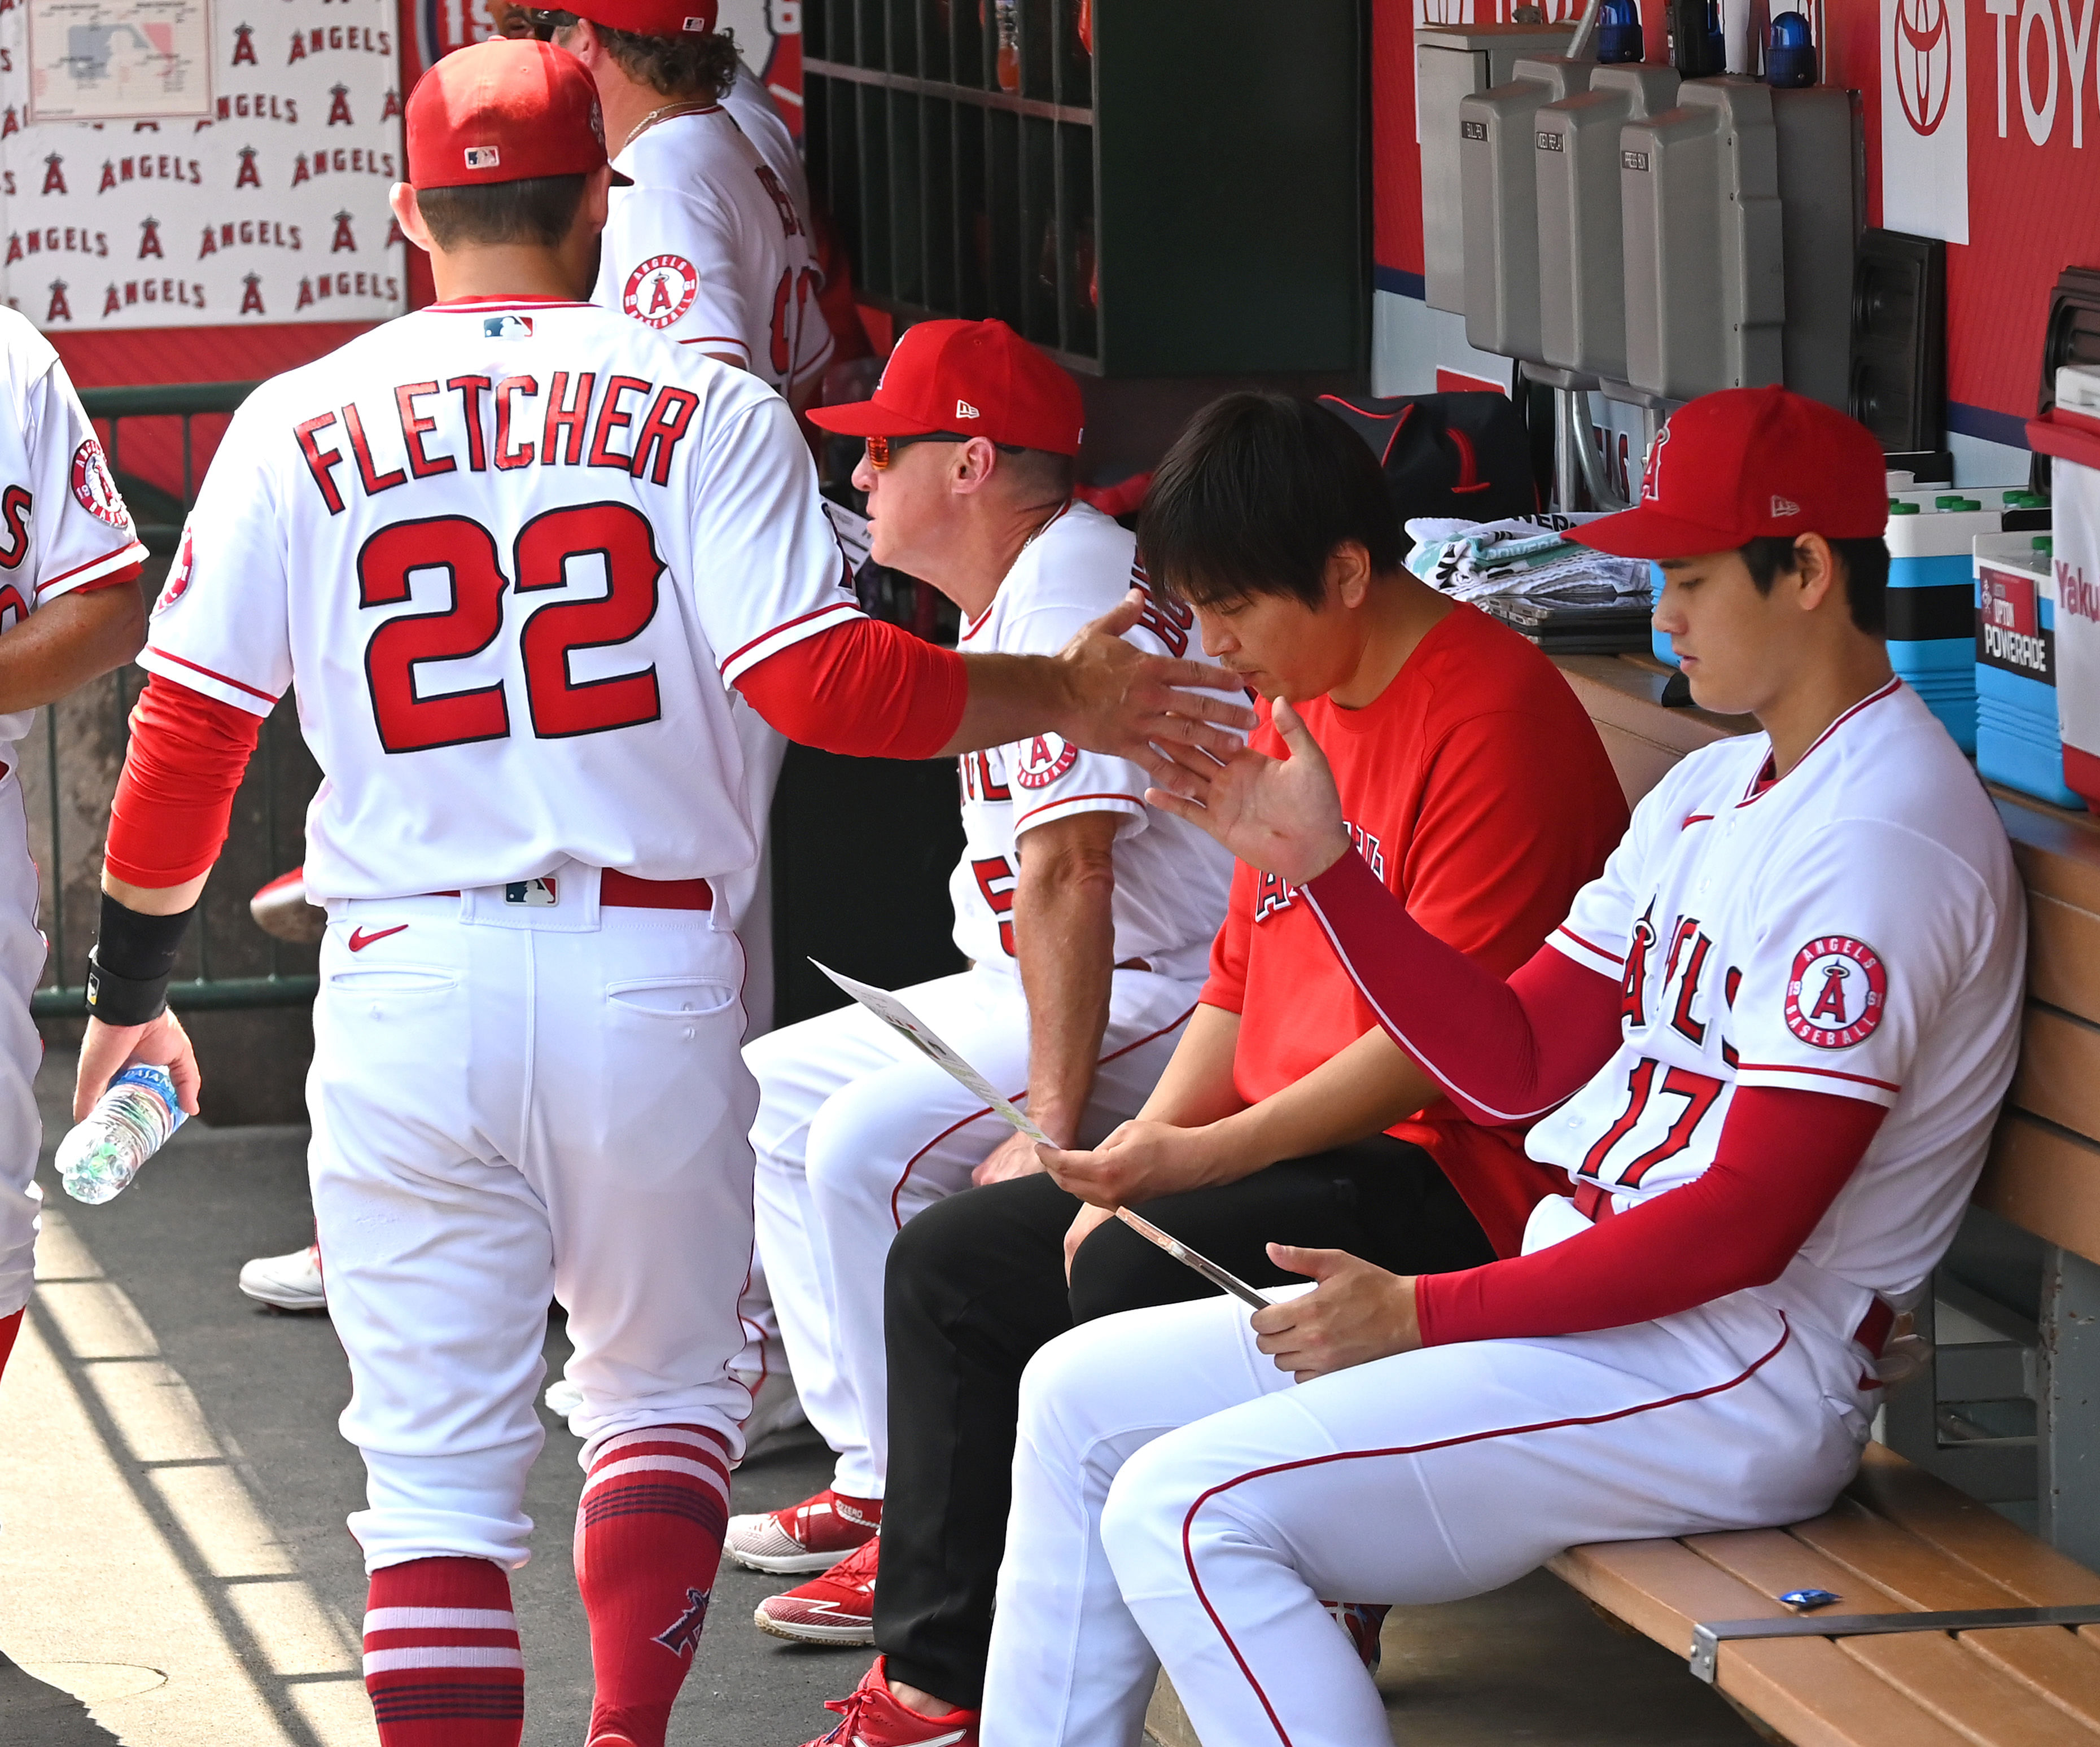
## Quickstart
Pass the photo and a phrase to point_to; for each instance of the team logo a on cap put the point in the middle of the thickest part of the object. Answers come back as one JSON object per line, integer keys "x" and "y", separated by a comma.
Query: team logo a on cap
{"x": 1652, "y": 475}
{"x": 660, "y": 290}
{"x": 1837, "y": 992}
{"x": 484, "y": 158}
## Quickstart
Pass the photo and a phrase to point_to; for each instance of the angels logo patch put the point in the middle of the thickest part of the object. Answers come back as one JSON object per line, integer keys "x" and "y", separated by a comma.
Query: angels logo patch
{"x": 660, "y": 290}
{"x": 1836, "y": 993}
{"x": 178, "y": 583}
{"x": 95, "y": 489}
{"x": 1039, "y": 762}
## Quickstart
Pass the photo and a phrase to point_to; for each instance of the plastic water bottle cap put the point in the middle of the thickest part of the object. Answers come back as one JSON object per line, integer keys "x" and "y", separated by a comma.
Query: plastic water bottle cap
{"x": 1897, "y": 506}
{"x": 1948, "y": 500}
{"x": 2045, "y": 544}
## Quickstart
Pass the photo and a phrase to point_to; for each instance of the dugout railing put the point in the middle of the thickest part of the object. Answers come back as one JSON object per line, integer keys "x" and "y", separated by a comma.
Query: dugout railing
{"x": 70, "y": 760}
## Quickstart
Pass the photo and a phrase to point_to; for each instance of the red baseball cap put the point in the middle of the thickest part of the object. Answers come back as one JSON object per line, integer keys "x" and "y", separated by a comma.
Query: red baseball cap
{"x": 978, "y": 377}
{"x": 1744, "y": 463}
{"x": 501, "y": 111}
{"x": 651, "y": 18}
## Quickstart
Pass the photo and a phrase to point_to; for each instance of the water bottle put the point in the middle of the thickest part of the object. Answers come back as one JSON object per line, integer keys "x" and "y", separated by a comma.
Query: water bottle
{"x": 129, "y": 1123}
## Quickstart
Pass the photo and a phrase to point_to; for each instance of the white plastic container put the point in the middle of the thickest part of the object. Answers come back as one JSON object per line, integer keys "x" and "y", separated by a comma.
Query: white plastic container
{"x": 2071, "y": 436}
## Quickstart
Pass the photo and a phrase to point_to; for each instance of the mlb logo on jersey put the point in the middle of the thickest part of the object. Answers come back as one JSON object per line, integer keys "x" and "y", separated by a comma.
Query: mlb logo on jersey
{"x": 539, "y": 894}
{"x": 1837, "y": 992}
{"x": 506, "y": 327}
{"x": 660, "y": 290}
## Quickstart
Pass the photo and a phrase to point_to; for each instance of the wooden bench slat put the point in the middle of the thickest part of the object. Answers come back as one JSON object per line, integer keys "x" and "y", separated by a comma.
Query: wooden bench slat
{"x": 2059, "y": 1072}
{"x": 1804, "y": 1688}
{"x": 2060, "y": 1666}
{"x": 1948, "y": 1519}
{"x": 2046, "y": 1182}
{"x": 1941, "y": 1677}
{"x": 2063, "y": 956}
{"x": 2058, "y": 855}
{"x": 1965, "y": 1692}
{"x": 1916, "y": 1573}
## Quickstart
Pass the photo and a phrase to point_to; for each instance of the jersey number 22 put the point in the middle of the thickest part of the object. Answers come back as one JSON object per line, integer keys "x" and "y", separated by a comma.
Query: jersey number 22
{"x": 560, "y": 706}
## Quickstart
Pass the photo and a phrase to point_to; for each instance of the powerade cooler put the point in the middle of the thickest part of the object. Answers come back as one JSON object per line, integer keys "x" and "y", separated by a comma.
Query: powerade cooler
{"x": 2018, "y": 741}
{"x": 1932, "y": 592}
{"x": 2071, "y": 434}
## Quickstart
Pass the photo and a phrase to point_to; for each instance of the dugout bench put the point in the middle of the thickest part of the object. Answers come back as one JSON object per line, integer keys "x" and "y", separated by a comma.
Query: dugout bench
{"x": 2010, "y": 1411}
{"x": 1911, "y": 1536}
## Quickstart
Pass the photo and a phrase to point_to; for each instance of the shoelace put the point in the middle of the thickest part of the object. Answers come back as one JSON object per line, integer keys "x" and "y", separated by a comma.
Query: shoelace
{"x": 858, "y": 1567}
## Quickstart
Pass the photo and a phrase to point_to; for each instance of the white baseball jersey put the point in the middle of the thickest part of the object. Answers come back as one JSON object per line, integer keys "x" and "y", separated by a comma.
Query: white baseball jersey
{"x": 63, "y": 528}
{"x": 1171, "y": 879}
{"x": 753, "y": 109}
{"x": 709, "y": 248}
{"x": 1762, "y": 940}
{"x": 512, "y": 552}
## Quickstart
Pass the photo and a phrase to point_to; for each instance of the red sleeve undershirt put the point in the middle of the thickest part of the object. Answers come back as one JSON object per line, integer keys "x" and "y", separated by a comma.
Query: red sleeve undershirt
{"x": 1504, "y": 1050}
{"x": 175, "y": 795}
{"x": 867, "y": 688}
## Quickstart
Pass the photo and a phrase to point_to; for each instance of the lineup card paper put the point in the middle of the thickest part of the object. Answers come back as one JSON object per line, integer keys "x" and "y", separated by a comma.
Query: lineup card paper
{"x": 898, "y": 1018}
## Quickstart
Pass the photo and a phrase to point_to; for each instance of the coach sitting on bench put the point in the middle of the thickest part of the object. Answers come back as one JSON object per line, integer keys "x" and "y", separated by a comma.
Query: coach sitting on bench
{"x": 1776, "y": 1031}
{"x": 1477, "y": 789}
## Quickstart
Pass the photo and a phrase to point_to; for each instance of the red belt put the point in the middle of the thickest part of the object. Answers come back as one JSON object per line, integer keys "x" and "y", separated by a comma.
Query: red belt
{"x": 619, "y": 891}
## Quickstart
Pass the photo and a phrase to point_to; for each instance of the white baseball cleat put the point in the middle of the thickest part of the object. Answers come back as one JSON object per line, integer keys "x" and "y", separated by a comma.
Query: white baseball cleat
{"x": 812, "y": 1536}
{"x": 286, "y": 1282}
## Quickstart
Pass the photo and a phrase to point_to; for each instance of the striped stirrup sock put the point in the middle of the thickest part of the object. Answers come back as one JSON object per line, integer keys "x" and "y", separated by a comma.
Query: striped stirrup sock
{"x": 441, "y": 1657}
{"x": 649, "y": 1534}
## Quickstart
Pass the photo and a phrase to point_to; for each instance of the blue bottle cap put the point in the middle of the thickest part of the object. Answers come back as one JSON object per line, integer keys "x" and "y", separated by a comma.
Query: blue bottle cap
{"x": 1790, "y": 59}
{"x": 1806, "y": 1601}
{"x": 1619, "y": 34}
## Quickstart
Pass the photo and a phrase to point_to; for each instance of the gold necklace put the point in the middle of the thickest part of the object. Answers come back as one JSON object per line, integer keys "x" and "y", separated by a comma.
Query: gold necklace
{"x": 689, "y": 106}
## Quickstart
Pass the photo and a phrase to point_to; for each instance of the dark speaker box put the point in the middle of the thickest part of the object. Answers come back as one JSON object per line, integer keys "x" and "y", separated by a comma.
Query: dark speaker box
{"x": 2071, "y": 337}
{"x": 1899, "y": 387}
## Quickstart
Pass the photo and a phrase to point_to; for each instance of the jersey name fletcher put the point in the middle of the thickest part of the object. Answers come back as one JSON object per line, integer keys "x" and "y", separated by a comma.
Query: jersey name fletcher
{"x": 625, "y": 422}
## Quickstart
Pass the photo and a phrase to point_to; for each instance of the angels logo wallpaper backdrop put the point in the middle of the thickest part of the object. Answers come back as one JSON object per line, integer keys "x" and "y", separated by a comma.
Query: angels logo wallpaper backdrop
{"x": 270, "y": 207}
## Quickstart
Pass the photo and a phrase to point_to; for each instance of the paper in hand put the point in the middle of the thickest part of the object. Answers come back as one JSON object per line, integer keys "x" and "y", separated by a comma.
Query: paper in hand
{"x": 898, "y": 1018}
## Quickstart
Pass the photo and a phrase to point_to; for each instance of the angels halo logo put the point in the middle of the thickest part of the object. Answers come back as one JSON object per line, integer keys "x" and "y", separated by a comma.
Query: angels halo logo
{"x": 1923, "y": 62}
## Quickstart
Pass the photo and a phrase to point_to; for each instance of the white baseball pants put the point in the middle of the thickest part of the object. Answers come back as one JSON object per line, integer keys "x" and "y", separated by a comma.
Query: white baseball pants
{"x": 1177, "y": 1500}
{"x": 22, "y": 954}
{"x": 857, "y": 1131}
{"x": 512, "y": 1103}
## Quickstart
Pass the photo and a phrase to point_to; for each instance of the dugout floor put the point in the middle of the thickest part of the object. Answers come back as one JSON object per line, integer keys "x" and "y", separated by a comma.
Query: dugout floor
{"x": 175, "y": 1571}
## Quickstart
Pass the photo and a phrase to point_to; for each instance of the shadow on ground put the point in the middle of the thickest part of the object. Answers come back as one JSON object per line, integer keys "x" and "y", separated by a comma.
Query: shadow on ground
{"x": 50, "y": 1716}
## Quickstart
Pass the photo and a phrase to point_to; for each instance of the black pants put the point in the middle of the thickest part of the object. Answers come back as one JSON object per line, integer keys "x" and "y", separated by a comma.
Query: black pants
{"x": 976, "y": 1285}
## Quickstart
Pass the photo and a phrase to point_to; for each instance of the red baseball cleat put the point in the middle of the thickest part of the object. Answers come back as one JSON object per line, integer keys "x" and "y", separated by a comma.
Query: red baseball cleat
{"x": 1363, "y": 1620}
{"x": 837, "y": 1607}
{"x": 872, "y": 1718}
{"x": 812, "y": 1536}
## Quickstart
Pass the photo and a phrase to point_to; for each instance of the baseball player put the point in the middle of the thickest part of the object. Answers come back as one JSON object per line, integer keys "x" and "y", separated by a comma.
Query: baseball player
{"x": 68, "y": 613}
{"x": 514, "y": 550}
{"x": 1087, "y": 919}
{"x": 1771, "y": 1037}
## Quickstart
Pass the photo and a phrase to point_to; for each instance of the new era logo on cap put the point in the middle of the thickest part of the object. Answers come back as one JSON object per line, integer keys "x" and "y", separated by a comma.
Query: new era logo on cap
{"x": 963, "y": 409}
{"x": 1783, "y": 506}
{"x": 483, "y": 157}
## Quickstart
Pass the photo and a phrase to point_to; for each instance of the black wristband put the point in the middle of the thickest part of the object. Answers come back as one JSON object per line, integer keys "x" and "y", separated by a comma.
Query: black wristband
{"x": 133, "y": 959}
